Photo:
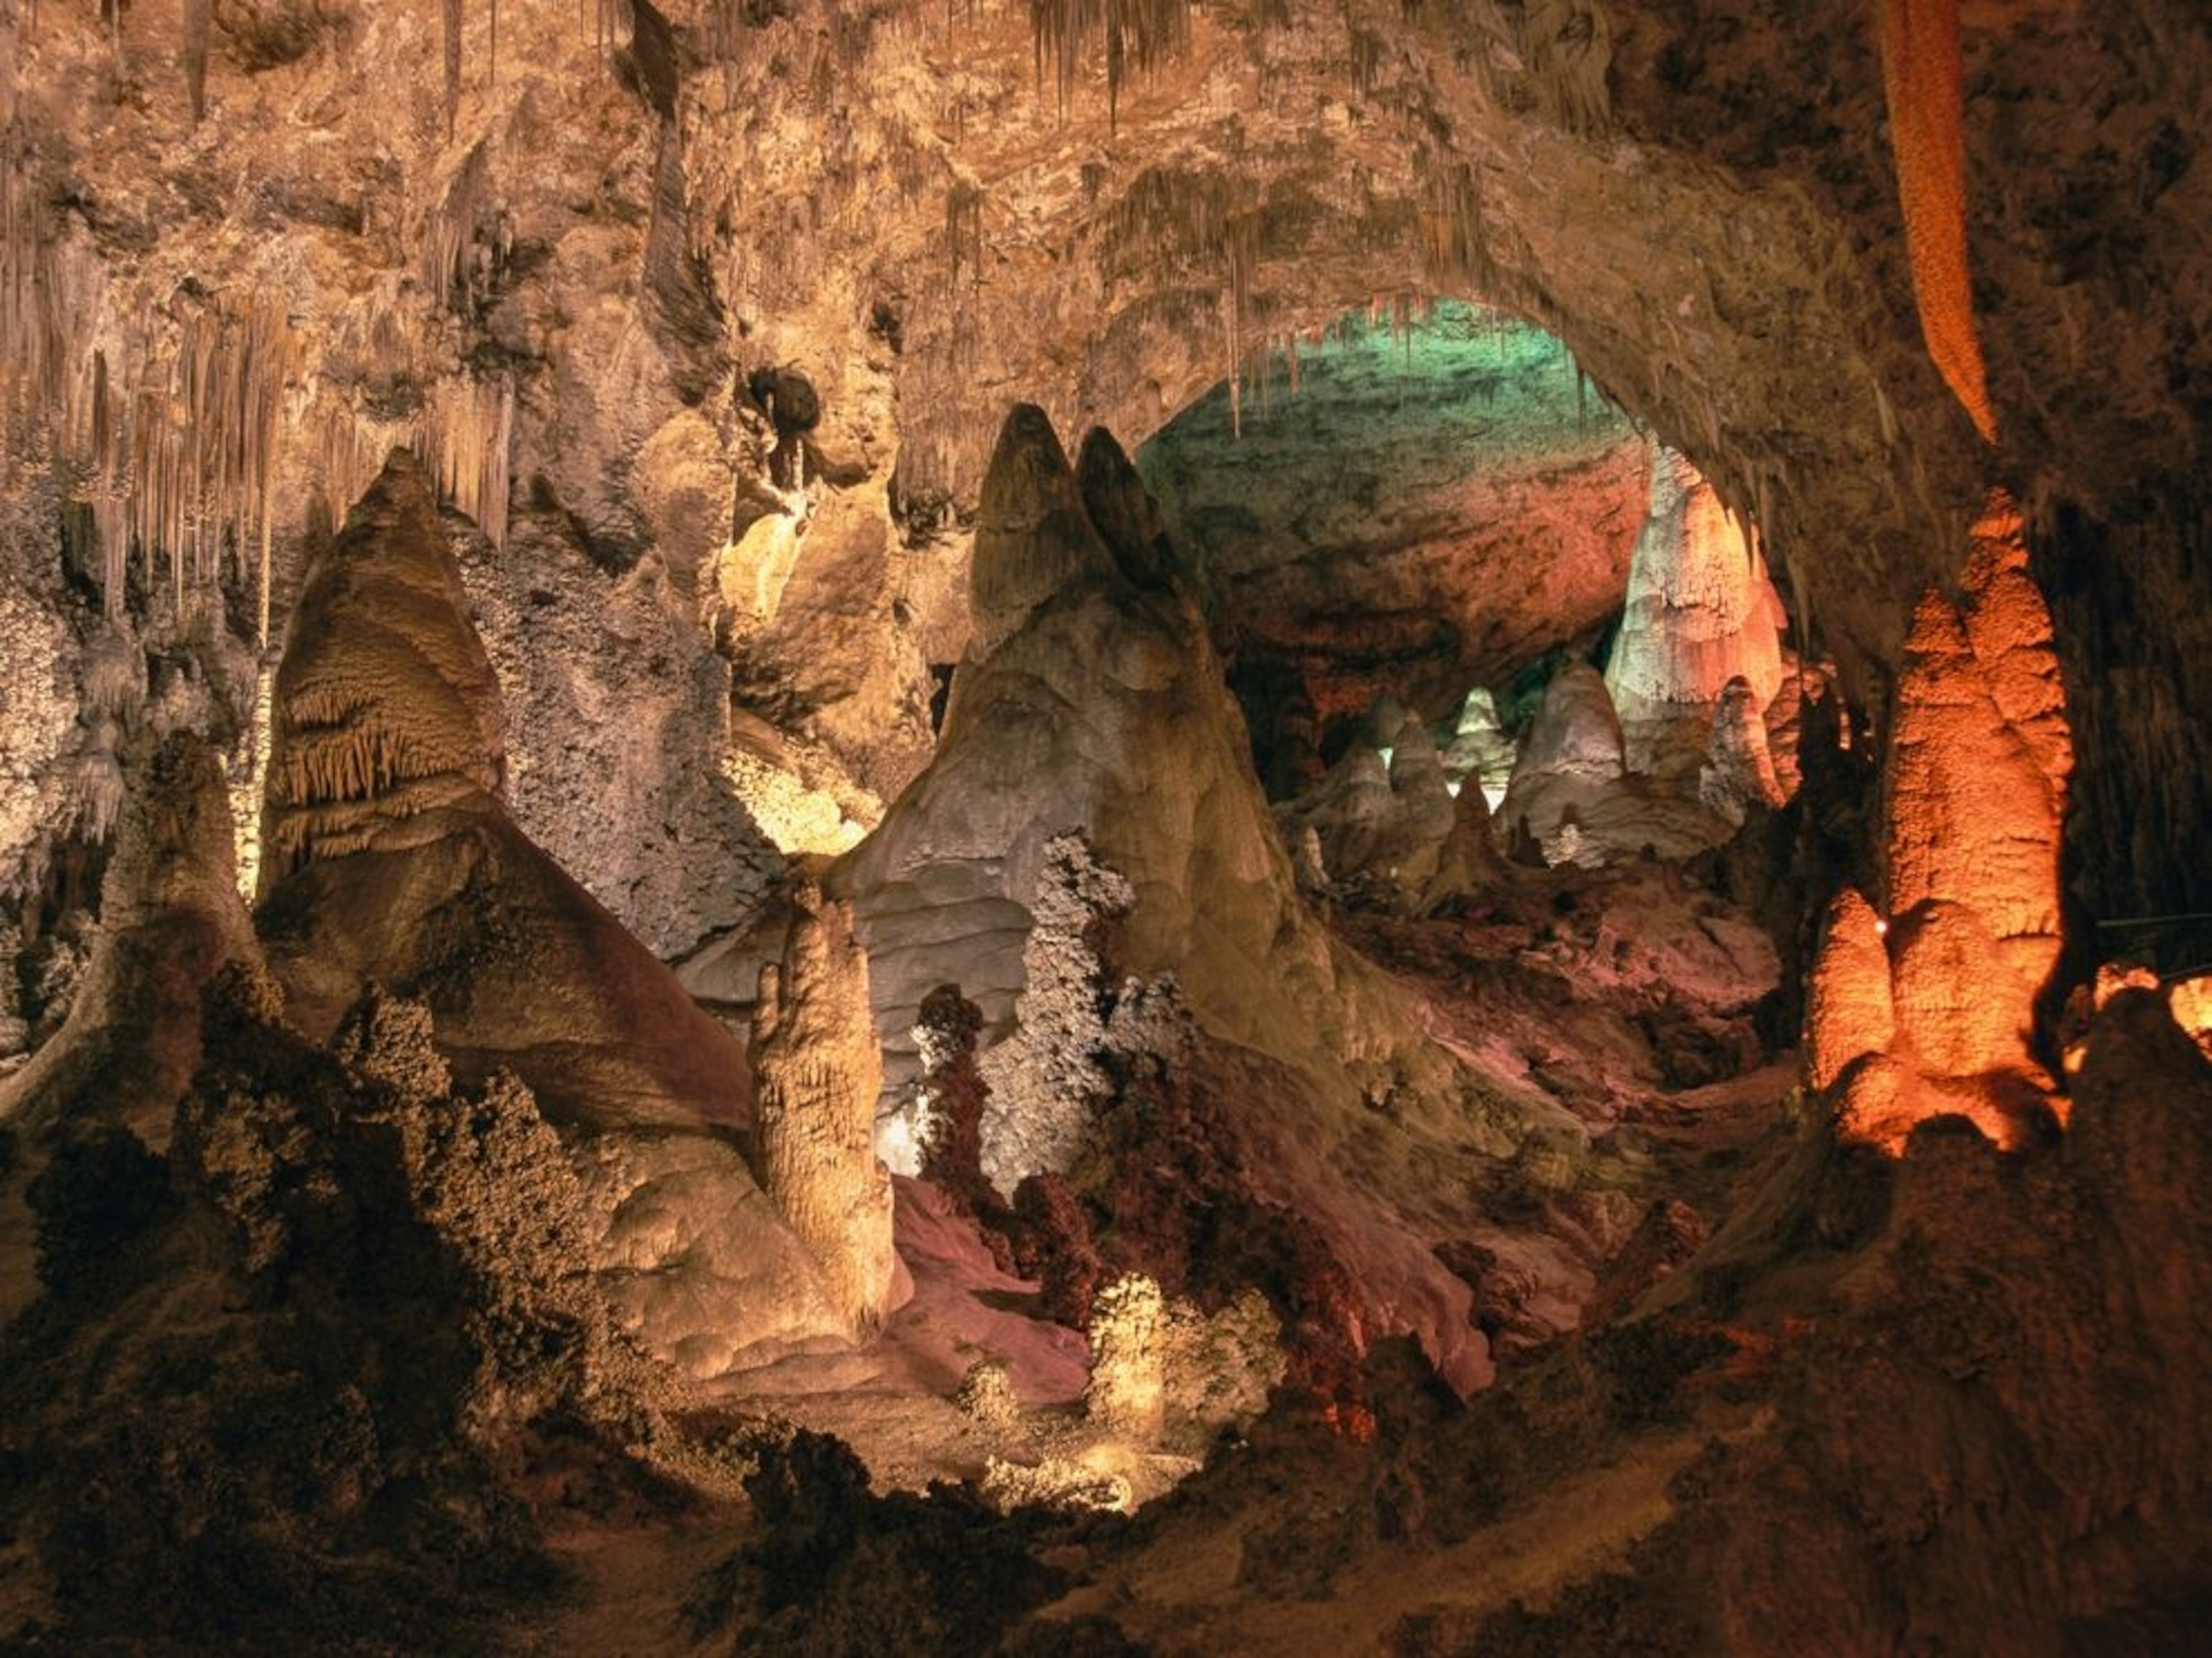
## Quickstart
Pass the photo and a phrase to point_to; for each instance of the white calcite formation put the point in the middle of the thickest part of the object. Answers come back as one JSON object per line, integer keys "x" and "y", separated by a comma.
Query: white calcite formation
{"x": 1571, "y": 763}
{"x": 1700, "y": 613}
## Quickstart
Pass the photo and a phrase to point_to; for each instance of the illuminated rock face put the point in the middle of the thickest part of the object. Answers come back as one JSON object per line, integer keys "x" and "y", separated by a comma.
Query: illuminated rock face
{"x": 1092, "y": 713}
{"x": 1973, "y": 794}
{"x": 817, "y": 1071}
{"x": 396, "y": 865}
{"x": 1700, "y": 613}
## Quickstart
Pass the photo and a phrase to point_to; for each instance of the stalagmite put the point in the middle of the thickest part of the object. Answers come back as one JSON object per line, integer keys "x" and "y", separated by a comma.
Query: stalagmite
{"x": 817, "y": 1071}
{"x": 1129, "y": 1370}
{"x": 1739, "y": 767}
{"x": 1700, "y": 612}
{"x": 1972, "y": 799}
{"x": 1847, "y": 1002}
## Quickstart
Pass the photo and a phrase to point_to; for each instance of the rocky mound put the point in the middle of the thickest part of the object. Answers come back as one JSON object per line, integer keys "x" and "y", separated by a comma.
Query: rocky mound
{"x": 396, "y": 865}
{"x": 1089, "y": 858}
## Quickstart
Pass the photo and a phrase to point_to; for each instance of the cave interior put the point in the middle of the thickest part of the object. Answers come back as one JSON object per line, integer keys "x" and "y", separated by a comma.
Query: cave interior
{"x": 1105, "y": 826}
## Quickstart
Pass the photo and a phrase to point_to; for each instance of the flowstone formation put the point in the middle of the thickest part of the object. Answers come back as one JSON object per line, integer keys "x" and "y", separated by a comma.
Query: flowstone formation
{"x": 392, "y": 862}
{"x": 1928, "y": 1005}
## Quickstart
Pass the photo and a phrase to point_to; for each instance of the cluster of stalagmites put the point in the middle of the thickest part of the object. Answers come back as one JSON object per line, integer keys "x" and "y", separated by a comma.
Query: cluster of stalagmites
{"x": 1921, "y": 998}
{"x": 1683, "y": 734}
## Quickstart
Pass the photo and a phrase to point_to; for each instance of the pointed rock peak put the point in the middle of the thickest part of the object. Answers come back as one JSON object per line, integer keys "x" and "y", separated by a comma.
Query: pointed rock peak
{"x": 1576, "y": 728}
{"x": 1937, "y": 632}
{"x": 386, "y": 703}
{"x": 1123, "y": 511}
{"x": 1032, "y": 535}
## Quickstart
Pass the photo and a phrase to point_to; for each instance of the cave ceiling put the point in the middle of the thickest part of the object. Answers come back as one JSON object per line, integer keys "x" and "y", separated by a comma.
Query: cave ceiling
{"x": 564, "y": 255}
{"x": 934, "y": 210}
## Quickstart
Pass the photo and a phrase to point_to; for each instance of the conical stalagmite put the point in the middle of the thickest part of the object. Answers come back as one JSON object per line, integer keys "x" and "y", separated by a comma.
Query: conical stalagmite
{"x": 402, "y": 868}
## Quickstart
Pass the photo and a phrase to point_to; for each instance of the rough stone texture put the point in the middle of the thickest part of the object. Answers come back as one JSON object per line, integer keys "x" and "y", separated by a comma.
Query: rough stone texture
{"x": 171, "y": 919}
{"x": 817, "y": 1074}
{"x": 1571, "y": 797}
{"x": 1847, "y": 1002}
{"x": 39, "y": 703}
{"x": 1739, "y": 770}
{"x": 1104, "y": 713}
{"x": 1129, "y": 1359}
{"x": 1973, "y": 795}
{"x": 1045, "y": 1079}
{"x": 1161, "y": 1370}
{"x": 1382, "y": 816}
{"x": 1700, "y": 612}
{"x": 404, "y": 871}
{"x": 573, "y": 277}
{"x": 616, "y": 725}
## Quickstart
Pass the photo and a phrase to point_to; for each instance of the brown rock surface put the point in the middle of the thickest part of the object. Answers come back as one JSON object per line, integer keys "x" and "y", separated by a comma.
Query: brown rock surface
{"x": 817, "y": 1072}
{"x": 1973, "y": 795}
{"x": 405, "y": 872}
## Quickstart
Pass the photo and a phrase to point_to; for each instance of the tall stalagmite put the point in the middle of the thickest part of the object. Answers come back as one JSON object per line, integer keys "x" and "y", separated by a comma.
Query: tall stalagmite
{"x": 816, "y": 1073}
{"x": 1973, "y": 796}
{"x": 394, "y": 862}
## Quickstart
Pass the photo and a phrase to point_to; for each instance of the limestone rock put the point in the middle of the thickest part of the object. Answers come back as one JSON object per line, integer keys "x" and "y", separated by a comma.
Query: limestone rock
{"x": 1381, "y": 814}
{"x": 398, "y": 866}
{"x": 1847, "y": 1004}
{"x": 1971, "y": 798}
{"x": 1098, "y": 709}
{"x": 1033, "y": 536}
{"x": 1570, "y": 761}
{"x": 1161, "y": 1370}
{"x": 1739, "y": 770}
{"x": 1043, "y": 1081}
{"x": 1128, "y": 1362}
{"x": 1699, "y": 614}
{"x": 1479, "y": 755}
{"x": 386, "y": 711}
{"x": 817, "y": 1073}
{"x": 171, "y": 921}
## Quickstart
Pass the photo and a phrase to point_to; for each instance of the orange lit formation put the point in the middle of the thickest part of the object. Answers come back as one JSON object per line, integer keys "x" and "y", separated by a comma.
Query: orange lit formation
{"x": 1929, "y": 1014}
{"x": 1923, "y": 77}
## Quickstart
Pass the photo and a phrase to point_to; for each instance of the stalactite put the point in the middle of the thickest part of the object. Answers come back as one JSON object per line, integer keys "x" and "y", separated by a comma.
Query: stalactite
{"x": 1138, "y": 34}
{"x": 450, "y": 261}
{"x": 1923, "y": 77}
{"x": 466, "y": 444}
{"x": 196, "y": 18}
{"x": 452, "y": 14}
